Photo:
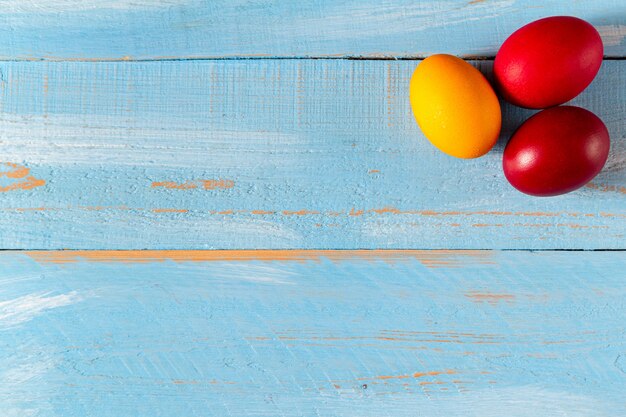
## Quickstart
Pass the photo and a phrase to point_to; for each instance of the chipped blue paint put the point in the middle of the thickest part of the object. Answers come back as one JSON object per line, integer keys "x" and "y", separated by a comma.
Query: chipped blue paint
{"x": 506, "y": 333}
{"x": 122, "y": 29}
{"x": 307, "y": 144}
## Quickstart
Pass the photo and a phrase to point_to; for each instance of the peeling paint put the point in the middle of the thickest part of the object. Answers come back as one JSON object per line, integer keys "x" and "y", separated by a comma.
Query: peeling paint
{"x": 20, "y": 173}
{"x": 429, "y": 258}
{"x": 191, "y": 185}
{"x": 607, "y": 188}
{"x": 489, "y": 298}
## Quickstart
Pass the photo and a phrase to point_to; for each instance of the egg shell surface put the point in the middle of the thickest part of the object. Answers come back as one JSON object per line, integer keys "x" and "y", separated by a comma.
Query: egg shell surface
{"x": 556, "y": 151}
{"x": 548, "y": 62}
{"x": 455, "y": 106}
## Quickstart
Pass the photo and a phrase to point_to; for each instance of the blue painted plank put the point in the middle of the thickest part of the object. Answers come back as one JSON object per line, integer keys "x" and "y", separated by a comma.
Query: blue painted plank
{"x": 434, "y": 333}
{"x": 162, "y": 29}
{"x": 270, "y": 154}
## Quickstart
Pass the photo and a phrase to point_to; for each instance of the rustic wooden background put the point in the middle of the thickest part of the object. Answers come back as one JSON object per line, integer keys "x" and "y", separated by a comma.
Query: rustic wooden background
{"x": 178, "y": 177}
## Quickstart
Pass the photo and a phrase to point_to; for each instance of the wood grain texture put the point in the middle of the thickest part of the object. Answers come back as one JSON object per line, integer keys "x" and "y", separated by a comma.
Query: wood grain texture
{"x": 270, "y": 154}
{"x": 166, "y": 29}
{"x": 434, "y": 333}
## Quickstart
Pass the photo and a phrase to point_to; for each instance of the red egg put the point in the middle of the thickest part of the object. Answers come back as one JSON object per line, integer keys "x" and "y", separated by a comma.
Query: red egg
{"x": 548, "y": 62}
{"x": 556, "y": 151}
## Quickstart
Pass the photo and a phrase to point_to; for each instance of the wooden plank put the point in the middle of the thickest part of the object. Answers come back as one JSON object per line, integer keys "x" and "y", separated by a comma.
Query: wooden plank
{"x": 270, "y": 154}
{"x": 165, "y": 29}
{"x": 296, "y": 333}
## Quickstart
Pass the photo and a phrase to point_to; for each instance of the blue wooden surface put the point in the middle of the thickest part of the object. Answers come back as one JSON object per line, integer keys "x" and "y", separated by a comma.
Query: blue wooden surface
{"x": 297, "y": 154}
{"x": 161, "y": 29}
{"x": 203, "y": 150}
{"x": 431, "y": 333}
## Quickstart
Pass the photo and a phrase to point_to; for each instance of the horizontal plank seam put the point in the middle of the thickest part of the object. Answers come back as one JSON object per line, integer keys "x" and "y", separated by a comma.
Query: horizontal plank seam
{"x": 312, "y": 250}
{"x": 257, "y": 58}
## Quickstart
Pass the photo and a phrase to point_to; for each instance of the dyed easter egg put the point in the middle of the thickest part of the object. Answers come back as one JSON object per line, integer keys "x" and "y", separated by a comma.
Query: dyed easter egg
{"x": 548, "y": 62}
{"x": 556, "y": 151}
{"x": 455, "y": 107}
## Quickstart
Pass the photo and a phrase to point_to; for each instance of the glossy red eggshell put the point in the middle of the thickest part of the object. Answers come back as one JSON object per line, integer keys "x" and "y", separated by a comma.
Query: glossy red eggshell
{"x": 548, "y": 62}
{"x": 556, "y": 151}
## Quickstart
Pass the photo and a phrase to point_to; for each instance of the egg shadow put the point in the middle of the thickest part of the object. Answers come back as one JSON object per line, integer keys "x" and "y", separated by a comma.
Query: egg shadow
{"x": 512, "y": 116}
{"x": 592, "y": 98}
{"x": 609, "y": 27}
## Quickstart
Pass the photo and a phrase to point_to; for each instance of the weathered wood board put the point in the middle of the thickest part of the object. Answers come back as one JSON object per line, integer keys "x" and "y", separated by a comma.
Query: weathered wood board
{"x": 271, "y": 154}
{"x": 181, "y": 29}
{"x": 192, "y": 124}
{"x": 296, "y": 333}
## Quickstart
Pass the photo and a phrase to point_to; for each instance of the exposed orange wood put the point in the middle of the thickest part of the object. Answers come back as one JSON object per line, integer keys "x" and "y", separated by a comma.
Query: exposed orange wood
{"x": 354, "y": 212}
{"x": 488, "y": 297}
{"x": 414, "y": 375}
{"x": 262, "y": 212}
{"x": 213, "y": 184}
{"x": 386, "y": 210}
{"x": 190, "y": 185}
{"x": 26, "y": 184}
{"x": 32, "y": 209}
{"x": 174, "y": 185}
{"x": 300, "y": 212}
{"x": 19, "y": 172}
{"x": 430, "y": 258}
{"x": 607, "y": 188}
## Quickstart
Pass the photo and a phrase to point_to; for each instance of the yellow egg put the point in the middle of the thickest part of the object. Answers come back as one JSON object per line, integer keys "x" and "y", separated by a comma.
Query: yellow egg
{"x": 455, "y": 106}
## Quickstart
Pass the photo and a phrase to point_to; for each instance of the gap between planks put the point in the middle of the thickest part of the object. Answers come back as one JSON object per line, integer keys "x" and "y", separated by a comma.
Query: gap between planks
{"x": 275, "y": 254}
{"x": 261, "y": 58}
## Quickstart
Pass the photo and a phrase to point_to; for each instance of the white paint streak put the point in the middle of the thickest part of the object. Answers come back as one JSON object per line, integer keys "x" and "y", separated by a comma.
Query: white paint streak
{"x": 612, "y": 35}
{"x": 522, "y": 401}
{"x": 25, "y": 369}
{"x": 20, "y": 412}
{"x": 196, "y": 231}
{"x": 352, "y": 21}
{"x": 22, "y": 372}
{"x": 63, "y": 140}
{"x": 23, "y": 309}
{"x": 263, "y": 274}
{"x": 68, "y": 6}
